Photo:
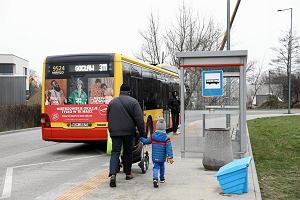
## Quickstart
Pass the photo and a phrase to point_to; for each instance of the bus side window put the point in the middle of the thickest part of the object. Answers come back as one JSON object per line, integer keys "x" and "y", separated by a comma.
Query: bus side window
{"x": 126, "y": 73}
{"x": 136, "y": 83}
{"x": 147, "y": 88}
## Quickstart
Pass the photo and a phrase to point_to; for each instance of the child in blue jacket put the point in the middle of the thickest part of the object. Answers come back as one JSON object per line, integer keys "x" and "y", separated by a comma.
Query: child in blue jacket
{"x": 161, "y": 150}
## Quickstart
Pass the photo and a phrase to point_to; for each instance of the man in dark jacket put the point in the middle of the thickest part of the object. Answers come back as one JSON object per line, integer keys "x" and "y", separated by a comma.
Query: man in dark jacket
{"x": 174, "y": 105}
{"x": 124, "y": 114}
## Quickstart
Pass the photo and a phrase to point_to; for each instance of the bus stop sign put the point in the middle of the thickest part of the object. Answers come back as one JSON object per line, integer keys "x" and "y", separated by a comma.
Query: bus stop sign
{"x": 212, "y": 83}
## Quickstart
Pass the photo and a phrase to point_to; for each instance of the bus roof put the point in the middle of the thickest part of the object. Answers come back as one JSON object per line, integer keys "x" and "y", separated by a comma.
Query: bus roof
{"x": 152, "y": 67}
{"x": 169, "y": 68}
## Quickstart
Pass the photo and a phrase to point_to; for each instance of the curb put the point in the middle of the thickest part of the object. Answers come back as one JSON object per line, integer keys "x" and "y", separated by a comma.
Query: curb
{"x": 19, "y": 130}
{"x": 257, "y": 191}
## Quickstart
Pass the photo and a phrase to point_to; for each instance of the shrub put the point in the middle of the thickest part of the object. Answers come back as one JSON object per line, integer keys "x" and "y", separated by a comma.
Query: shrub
{"x": 19, "y": 117}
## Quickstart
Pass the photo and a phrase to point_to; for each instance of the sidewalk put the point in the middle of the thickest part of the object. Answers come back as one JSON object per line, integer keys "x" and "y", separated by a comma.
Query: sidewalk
{"x": 185, "y": 179}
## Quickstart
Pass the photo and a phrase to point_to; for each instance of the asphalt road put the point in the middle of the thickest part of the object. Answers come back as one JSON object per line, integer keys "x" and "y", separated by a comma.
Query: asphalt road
{"x": 31, "y": 168}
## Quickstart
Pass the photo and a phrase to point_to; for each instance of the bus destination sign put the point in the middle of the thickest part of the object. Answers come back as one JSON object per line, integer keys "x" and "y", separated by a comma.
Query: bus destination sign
{"x": 89, "y": 68}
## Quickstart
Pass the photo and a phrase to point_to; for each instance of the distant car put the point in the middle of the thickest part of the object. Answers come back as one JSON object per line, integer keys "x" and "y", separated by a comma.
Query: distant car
{"x": 212, "y": 81}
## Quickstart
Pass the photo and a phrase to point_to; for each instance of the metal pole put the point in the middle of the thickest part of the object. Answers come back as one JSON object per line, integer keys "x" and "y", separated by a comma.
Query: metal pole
{"x": 290, "y": 61}
{"x": 228, "y": 25}
{"x": 269, "y": 90}
{"x": 182, "y": 116}
{"x": 228, "y": 82}
{"x": 231, "y": 22}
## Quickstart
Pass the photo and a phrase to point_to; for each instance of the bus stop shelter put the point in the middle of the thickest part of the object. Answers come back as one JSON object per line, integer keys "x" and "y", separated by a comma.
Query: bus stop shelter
{"x": 213, "y": 95}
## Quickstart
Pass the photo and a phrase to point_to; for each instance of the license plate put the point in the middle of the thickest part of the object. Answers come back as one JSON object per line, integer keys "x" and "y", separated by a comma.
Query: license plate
{"x": 79, "y": 124}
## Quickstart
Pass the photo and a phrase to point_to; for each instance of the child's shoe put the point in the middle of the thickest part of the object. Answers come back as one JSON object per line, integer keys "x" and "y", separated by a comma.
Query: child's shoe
{"x": 155, "y": 183}
{"x": 162, "y": 180}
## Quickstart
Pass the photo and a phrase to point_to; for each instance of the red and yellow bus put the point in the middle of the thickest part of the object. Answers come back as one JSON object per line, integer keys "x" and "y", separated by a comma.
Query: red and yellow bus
{"x": 76, "y": 90}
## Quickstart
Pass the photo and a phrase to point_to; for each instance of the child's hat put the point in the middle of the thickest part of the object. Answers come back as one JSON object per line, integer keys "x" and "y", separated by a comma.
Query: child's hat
{"x": 161, "y": 125}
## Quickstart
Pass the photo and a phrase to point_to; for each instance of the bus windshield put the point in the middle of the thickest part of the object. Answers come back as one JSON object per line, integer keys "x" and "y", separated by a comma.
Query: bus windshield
{"x": 74, "y": 89}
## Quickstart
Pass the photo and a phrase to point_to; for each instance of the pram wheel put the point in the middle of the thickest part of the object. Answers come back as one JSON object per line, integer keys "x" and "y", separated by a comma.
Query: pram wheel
{"x": 119, "y": 166}
{"x": 147, "y": 160}
{"x": 144, "y": 164}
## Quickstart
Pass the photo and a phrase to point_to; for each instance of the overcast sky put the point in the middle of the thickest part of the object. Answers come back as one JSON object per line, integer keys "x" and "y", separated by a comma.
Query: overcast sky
{"x": 34, "y": 29}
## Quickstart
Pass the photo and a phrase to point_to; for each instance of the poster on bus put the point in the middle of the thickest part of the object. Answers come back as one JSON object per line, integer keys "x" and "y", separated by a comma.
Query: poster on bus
{"x": 55, "y": 91}
{"x": 100, "y": 90}
{"x": 78, "y": 99}
{"x": 77, "y": 90}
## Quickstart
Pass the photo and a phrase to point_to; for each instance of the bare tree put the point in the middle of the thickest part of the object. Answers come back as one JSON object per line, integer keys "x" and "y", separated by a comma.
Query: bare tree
{"x": 281, "y": 60}
{"x": 255, "y": 78}
{"x": 151, "y": 50}
{"x": 189, "y": 33}
{"x": 34, "y": 80}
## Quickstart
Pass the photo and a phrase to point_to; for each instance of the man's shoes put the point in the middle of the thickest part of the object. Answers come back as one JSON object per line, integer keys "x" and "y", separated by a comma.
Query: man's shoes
{"x": 155, "y": 183}
{"x": 129, "y": 176}
{"x": 162, "y": 180}
{"x": 112, "y": 182}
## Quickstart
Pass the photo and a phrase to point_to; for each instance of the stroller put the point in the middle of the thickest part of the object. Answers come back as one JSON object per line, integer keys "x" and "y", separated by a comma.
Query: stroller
{"x": 140, "y": 155}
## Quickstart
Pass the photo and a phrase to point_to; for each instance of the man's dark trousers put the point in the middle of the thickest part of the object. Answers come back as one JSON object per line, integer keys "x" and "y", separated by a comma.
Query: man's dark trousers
{"x": 117, "y": 142}
{"x": 175, "y": 121}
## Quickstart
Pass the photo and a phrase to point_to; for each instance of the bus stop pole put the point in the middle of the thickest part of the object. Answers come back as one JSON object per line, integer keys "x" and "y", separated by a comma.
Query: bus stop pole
{"x": 203, "y": 125}
{"x": 228, "y": 82}
{"x": 182, "y": 119}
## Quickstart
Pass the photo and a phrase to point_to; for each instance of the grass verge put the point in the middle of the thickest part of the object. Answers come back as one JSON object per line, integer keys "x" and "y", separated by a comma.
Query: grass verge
{"x": 276, "y": 148}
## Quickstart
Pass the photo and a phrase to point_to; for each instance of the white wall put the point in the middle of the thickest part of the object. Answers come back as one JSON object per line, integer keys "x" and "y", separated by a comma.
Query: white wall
{"x": 19, "y": 64}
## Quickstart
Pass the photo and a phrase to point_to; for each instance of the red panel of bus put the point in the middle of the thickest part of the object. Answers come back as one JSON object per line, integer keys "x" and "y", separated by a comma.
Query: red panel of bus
{"x": 61, "y": 134}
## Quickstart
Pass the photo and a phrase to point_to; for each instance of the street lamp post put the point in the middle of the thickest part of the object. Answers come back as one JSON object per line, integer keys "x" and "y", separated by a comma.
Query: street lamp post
{"x": 289, "y": 58}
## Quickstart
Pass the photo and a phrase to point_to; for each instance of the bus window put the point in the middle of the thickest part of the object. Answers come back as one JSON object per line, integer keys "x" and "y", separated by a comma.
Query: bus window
{"x": 136, "y": 84}
{"x": 126, "y": 73}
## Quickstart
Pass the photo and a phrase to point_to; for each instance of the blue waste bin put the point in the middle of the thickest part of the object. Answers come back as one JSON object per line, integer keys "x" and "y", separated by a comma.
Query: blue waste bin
{"x": 233, "y": 177}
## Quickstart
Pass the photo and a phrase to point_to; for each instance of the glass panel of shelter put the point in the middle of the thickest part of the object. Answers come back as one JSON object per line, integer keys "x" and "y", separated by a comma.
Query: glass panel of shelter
{"x": 213, "y": 112}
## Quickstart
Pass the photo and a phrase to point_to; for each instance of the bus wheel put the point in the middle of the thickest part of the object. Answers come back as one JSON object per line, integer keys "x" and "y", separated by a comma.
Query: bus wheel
{"x": 149, "y": 127}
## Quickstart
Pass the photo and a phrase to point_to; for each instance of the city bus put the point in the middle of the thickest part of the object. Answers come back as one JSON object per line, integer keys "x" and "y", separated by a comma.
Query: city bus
{"x": 76, "y": 90}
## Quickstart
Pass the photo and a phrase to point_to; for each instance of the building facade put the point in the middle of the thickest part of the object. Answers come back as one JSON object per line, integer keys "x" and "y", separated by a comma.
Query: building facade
{"x": 13, "y": 79}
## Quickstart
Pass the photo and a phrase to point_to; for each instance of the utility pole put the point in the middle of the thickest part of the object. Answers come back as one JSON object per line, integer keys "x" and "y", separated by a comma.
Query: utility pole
{"x": 289, "y": 67}
{"x": 231, "y": 22}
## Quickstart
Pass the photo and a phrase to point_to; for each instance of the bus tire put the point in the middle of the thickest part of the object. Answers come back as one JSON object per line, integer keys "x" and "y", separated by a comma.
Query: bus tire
{"x": 149, "y": 127}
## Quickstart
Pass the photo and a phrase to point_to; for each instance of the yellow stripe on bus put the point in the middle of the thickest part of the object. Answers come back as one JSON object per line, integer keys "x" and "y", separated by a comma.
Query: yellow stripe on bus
{"x": 43, "y": 87}
{"x": 118, "y": 77}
